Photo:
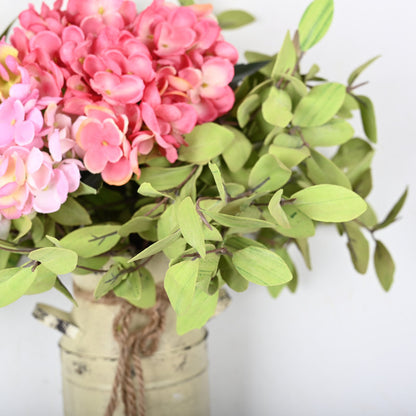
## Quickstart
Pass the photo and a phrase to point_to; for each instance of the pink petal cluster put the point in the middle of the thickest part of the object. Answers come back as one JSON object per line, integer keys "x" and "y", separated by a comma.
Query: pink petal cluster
{"x": 31, "y": 178}
{"x": 97, "y": 85}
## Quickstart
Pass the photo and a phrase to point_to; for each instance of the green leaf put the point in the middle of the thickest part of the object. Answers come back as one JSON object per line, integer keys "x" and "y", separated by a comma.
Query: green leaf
{"x": 60, "y": 287}
{"x": 180, "y": 282}
{"x": 136, "y": 225}
{"x": 350, "y": 104}
{"x": 333, "y": 133}
{"x": 297, "y": 84}
{"x": 44, "y": 281}
{"x": 53, "y": 240}
{"x": 301, "y": 226}
{"x": 242, "y": 71}
{"x": 148, "y": 296}
{"x": 23, "y": 225}
{"x": 233, "y": 19}
{"x": 189, "y": 189}
{"x": 238, "y": 152}
{"x": 276, "y": 107}
{"x": 216, "y": 173}
{"x": 276, "y": 210}
{"x": 237, "y": 242}
{"x": 268, "y": 174}
{"x": 110, "y": 279}
{"x": 4, "y": 259}
{"x": 190, "y": 225}
{"x": 261, "y": 266}
{"x": 14, "y": 283}
{"x": 212, "y": 235}
{"x": 92, "y": 241}
{"x": 329, "y": 203}
{"x": 206, "y": 141}
{"x": 288, "y": 140}
{"x": 207, "y": 270}
{"x": 95, "y": 263}
{"x": 165, "y": 178}
{"x": 384, "y": 265}
{"x": 286, "y": 59}
{"x": 364, "y": 184}
{"x": 38, "y": 230}
{"x": 252, "y": 56}
{"x": 315, "y": 23}
{"x": 303, "y": 246}
{"x": 157, "y": 247}
{"x": 166, "y": 226}
{"x": 355, "y": 74}
{"x": 354, "y": 158}
{"x": 8, "y": 245}
{"x": 202, "y": 308}
{"x": 289, "y": 156}
{"x": 320, "y": 105}
{"x": 84, "y": 189}
{"x": 275, "y": 291}
{"x": 358, "y": 247}
{"x": 57, "y": 260}
{"x": 130, "y": 288}
{"x": 369, "y": 218}
{"x": 146, "y": 189}
{"x": 395, "y": 211}
{"x": 230, "y": 275}
{"x": 368, "y": 117}
{"x": 8, "y": 28}
{"x": 238, "y": 222}
{"x": 292, "y": 285}
{"x": 321, "y": 170}
{"x": 186, "y": 2}
{"x": 250, "y": 104}
{"x": 71, "y": 213}
{"x": 312, "y": 73}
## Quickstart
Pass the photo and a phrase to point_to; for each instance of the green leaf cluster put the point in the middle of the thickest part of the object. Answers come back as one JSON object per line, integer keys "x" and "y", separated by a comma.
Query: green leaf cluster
{"x": 244, "y": 190}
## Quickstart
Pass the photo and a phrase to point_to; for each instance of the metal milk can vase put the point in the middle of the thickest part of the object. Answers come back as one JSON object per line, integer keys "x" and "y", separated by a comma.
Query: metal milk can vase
{"x": 175, "y": 376}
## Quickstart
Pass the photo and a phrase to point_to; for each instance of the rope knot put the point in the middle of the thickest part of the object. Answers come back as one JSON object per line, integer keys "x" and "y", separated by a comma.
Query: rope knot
{"x": 132, "y": 345}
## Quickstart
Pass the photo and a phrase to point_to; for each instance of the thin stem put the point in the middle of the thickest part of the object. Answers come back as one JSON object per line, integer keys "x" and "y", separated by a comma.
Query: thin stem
{"x": 158, "y": 205}
{"x": 102, "y": 237}
{"x": 16, "y": 249}
{"x": 250, "y": 191}
{"x": 287, "y": 201}
{"x": 199, "y": 210}
{"x": 352, "y": 88}
{"x": 183, "y": 183}
{"x": 90, "y": 269}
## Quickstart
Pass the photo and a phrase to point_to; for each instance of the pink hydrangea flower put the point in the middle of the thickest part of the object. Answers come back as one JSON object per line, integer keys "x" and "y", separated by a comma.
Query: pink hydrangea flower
{"x": 28, "y": 180}
{"x": 104, "y": 144}
{"x": 15, "y": 198}
{"x": 59, "y": 129}
{"x": 113, "y": 84}
{"x": 17, "y": 126}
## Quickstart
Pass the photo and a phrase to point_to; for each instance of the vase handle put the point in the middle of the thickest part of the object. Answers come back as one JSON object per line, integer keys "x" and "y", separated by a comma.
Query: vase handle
{"x": 56, "y": 319}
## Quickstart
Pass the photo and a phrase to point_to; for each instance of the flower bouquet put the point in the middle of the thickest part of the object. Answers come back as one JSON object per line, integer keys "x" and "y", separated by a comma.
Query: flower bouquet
{"x": 131, "y": 137}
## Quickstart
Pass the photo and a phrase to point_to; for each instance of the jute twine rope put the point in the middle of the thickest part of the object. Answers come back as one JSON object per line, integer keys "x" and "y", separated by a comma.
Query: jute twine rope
{"x": 132, "y": 345}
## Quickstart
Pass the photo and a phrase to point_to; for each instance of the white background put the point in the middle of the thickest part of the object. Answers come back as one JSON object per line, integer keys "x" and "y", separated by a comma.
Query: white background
{"x": 340, "y": 345}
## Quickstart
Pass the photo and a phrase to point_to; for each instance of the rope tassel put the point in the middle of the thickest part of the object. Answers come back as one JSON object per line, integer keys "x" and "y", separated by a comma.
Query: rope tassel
{"x": 133, "y": 345}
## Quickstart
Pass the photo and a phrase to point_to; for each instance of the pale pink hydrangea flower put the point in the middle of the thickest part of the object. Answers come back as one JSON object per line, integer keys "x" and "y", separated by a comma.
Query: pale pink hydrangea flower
{"x": 29, "y": 181}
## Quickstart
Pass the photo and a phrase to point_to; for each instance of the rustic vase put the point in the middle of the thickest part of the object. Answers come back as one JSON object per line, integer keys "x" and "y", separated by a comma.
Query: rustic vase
{"x": 175, "y": 376}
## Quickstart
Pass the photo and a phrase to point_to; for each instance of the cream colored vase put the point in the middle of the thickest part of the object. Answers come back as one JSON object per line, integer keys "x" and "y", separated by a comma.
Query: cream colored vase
{"x": 175, "y": 376}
